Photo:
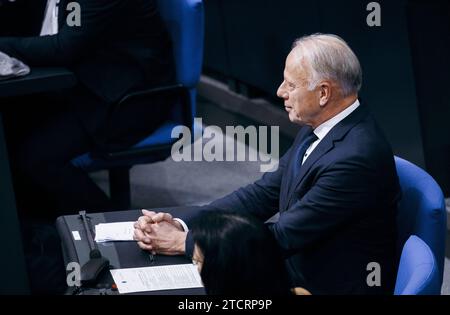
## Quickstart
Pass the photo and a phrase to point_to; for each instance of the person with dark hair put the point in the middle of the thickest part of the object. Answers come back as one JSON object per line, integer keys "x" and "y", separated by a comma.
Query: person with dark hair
{"x": 237, "y": 255}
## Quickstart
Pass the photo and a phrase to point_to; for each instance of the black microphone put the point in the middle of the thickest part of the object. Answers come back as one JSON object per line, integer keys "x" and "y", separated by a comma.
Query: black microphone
{"x": 97, "y": 263}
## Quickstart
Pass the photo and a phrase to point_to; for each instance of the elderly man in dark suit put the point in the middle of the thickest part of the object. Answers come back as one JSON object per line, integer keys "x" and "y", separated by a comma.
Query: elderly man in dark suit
{"x": 117, "y": 47}
{"x": 335, "y": 190}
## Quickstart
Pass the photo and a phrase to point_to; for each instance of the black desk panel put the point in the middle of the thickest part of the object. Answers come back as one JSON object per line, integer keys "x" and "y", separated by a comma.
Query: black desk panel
{"x": 12, "y": 265}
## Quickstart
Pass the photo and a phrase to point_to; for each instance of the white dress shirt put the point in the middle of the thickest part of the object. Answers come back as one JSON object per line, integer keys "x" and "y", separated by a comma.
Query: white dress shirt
{"x": 50, "y": 24}
{"x": 183, "y": 224}
{"x": 324, "y": 128}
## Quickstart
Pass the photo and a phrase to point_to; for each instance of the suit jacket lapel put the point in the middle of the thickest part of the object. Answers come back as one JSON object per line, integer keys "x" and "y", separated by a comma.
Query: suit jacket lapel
{"x": 324, "y": 146}
{"x": 327, "y": 144}
{"x": 287, "y": 176}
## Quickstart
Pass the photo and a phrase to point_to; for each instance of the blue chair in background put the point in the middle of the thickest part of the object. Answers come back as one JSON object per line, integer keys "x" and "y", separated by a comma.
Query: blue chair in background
{"x": 422, "y": 213}
{"x": 418, "y": 272}
{"x": 185, "y": 22}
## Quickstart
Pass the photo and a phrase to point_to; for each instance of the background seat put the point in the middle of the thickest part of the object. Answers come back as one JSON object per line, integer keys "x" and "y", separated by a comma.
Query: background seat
{"x": 418, "y": 272}
{"x": 185, "y": 22}
{"x": 421, "y": 212}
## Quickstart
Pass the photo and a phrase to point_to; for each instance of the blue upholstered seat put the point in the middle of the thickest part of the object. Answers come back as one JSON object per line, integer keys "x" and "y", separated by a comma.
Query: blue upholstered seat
{"x": 421, "y": 212}
{"x": 418, "y": 272}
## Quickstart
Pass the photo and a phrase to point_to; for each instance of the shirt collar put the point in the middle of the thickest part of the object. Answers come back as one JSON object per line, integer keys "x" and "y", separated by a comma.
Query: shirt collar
{"x": 322, "y": 130}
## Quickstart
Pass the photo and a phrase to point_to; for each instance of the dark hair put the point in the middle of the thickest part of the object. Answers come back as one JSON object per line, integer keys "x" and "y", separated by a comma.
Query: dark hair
{"x": 241, "y": 256}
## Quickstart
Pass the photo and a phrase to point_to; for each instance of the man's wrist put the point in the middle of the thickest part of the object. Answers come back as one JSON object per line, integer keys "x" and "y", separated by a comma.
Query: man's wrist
{"x": 181, "y": 224}
{"x": 189, "y": 245}
{"x": 181, "y": 248}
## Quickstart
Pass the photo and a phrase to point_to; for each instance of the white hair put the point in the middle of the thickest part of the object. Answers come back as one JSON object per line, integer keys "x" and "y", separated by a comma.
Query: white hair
{"x": 329, "y": 57}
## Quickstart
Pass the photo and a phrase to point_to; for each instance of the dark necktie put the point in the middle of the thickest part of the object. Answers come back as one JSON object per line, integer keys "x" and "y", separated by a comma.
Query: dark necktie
{"x": 310, "y": 138}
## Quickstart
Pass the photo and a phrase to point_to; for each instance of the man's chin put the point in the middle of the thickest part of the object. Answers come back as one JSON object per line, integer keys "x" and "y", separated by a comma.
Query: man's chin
{"x": 294, "y": 119}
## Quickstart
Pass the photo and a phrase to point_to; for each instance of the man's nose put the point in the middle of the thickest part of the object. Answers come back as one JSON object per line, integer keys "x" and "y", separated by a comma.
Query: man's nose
{"x": 281, "y": 92}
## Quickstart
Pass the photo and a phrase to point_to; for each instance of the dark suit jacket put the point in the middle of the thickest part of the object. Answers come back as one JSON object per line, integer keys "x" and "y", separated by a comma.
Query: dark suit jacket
{"x": 121, "y": 45}
{"x": 21, "y": 17}
{"x": 338, "y": 215}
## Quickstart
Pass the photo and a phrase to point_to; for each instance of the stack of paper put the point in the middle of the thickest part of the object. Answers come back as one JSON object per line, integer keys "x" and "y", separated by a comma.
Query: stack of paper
{"x": 157, "y": 278}
{"x": 119, "y": 231}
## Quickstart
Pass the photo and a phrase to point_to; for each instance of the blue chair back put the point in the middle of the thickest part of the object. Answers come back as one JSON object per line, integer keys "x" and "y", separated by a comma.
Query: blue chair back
{"x": 421, "y": 211}
{"x": 185, "y": 22}
{"x": 418, "y": 272}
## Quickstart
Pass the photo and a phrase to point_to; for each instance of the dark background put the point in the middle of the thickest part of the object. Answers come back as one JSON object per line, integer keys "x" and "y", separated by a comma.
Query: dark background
{"x": 21, "y": 17}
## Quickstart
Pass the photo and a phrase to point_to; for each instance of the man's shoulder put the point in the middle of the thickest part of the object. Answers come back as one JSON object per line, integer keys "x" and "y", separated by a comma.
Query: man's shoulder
{"x": 362, "y": 140}
{"x": 368, "y": 133}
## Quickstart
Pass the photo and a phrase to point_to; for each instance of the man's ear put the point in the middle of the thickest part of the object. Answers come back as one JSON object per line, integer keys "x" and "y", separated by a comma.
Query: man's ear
{"x": 324, "y": 93}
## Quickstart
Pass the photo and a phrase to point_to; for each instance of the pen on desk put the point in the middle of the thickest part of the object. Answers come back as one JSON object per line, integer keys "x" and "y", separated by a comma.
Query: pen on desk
{"x": 151, "y": 253}
{"x": 152, "y": 258}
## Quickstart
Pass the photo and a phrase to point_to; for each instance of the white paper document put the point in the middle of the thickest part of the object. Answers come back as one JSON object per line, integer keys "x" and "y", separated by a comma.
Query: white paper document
{"x": 119, "y": 231}
{"x": 156, "y": 278}
{"x": 12, "y": 67}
